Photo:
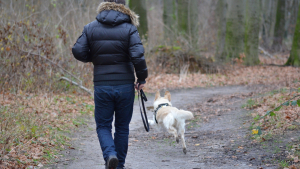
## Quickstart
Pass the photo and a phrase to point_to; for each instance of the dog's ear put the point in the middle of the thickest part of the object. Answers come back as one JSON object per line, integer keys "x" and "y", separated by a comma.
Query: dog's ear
{"x": 168, "y": 95}
{"x": 157, "y": 95}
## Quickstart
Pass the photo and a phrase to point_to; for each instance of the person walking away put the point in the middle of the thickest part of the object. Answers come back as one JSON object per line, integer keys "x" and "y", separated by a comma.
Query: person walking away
{"x": 113, "y": 45}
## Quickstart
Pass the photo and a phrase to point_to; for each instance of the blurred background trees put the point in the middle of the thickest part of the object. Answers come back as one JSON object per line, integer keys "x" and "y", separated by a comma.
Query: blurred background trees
{"x": 205, "y": 36}
{"x": 294, "y": 58}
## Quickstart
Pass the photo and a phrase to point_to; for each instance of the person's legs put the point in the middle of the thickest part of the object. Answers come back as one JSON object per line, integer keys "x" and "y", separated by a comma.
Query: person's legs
{"x": 123, "y": 114}
{"x": 104, "y": 111}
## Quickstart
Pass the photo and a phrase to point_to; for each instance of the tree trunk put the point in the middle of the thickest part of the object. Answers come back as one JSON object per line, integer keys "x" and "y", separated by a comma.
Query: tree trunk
{"x": 155, "y": 23}
{"x": 170, "y": 18}
{"x": 252, "y": 33}
{"x": 193, "y": 22}
{"x": 139, "y": 7}
{"x": 294, "y": 58}
{"x": 235, "y": 31}
{"x": 182, "y": 9}
{"x": 268, "y": 23}
{"x": 293, "y": 19}
{"x": 221, "y": 25}
{"x": 187, "y": 11}
{"x": 279, "y": 26}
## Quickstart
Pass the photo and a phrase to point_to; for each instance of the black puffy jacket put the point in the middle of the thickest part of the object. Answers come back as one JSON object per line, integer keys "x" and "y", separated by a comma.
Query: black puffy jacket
{"x": 113, "y": 44}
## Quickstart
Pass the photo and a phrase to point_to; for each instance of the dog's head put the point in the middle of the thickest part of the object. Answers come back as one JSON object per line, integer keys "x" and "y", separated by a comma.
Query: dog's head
{"x": 161, "y": 100}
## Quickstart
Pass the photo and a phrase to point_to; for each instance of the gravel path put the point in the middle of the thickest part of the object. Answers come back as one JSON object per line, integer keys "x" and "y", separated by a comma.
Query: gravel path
{"x": 210, "y": 144}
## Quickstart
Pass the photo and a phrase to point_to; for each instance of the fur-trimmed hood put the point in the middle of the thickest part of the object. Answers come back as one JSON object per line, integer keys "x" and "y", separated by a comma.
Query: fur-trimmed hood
{"x": 120, "y": 8}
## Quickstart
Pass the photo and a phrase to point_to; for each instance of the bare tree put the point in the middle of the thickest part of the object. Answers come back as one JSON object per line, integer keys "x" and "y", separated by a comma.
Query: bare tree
{"x": 235, "y": 31}
{"x": 252, "y": 32}
{"x": 155, "y": 23}
{"x": 279, "y": 26}
{"x": 268, "y": 21}
{"x": 170, "y": 18}
{"x": 294, "y": 58}
{"x": 221, "y": 25}
{"x": 139, "y": 6}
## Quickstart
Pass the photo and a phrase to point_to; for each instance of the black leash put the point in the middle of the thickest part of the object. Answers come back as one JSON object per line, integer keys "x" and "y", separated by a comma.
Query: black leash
{"x": 142, "y": 97}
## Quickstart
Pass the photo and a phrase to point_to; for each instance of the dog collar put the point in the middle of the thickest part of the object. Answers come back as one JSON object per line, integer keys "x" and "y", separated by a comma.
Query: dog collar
{"x": 159, "y": 107}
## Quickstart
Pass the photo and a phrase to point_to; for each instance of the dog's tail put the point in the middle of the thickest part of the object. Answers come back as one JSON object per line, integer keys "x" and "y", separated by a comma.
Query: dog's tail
{"x": 186, "y": 115}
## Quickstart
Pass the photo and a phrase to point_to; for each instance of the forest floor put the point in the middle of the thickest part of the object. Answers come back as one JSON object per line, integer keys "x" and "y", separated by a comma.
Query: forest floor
{"x": 38, "y": 129}
{"x": 217, "y": 138}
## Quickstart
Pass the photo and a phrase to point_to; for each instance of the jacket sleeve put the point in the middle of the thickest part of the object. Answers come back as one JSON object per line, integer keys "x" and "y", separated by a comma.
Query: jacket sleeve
{"x": 136, "y": 52}
{"x": 81, "y": 50}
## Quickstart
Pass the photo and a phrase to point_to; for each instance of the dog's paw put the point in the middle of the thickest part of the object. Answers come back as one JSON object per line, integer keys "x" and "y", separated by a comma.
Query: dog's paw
{"x": 177, "y": 139}
{"x": 151, "y": 122}
{"x": 184, "y": 150}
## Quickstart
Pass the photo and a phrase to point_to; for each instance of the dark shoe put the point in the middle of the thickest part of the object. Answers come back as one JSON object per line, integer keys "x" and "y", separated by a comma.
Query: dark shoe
{"x": 112, "y": 162}
{"x": 121, "y": 168}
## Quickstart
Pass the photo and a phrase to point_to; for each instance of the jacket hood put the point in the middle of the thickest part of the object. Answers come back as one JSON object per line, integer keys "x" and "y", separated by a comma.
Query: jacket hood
{"x": 119, "y": 14}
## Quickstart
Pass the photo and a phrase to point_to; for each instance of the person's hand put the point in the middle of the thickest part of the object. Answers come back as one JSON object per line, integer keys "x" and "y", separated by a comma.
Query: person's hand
{"x": 140, "y": 87}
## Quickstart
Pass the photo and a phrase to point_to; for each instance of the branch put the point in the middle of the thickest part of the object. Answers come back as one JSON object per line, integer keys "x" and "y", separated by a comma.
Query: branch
{"x": 76, "y": 84}
{"x": 279, "y": 106}
{"x": 29, "y": 53}
{"x": 265, "y": 52}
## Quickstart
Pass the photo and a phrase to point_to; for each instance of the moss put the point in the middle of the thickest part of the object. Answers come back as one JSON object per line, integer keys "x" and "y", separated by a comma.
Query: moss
{"x": 279, "y": 25}
{"x": 138, "y": 7}
{"x": 251, "y": 33}
{"x": 183, "y": 16}
{"x": 234, "y": 40}
{"x": 294, "y": 59}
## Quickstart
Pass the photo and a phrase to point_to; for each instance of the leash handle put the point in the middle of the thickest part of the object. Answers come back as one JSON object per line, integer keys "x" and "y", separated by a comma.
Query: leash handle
{"x": 142, "y": 97}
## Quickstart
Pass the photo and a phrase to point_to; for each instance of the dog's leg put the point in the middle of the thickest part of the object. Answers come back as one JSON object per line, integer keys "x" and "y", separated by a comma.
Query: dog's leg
{"x": 173, "y": 131}
{"x": 183, "y": 140}
{"x": 151, "y": 122}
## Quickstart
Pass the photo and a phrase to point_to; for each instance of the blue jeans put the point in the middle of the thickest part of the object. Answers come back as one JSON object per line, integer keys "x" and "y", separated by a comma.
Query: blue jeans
{"x": 109, "y": 100}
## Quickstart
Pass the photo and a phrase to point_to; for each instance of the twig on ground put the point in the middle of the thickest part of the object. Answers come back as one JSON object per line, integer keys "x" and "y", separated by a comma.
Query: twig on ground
{"x": 268, "y": 112}
{"x": 18, "y": 146}
{"x": 266, "y": 53}
{"x": 76, "y": 84}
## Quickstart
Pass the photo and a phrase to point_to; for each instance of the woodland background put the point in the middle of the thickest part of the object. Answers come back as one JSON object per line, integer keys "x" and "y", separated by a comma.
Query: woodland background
{"x": 179, "y": 36}
{"x": 188, "y": 43}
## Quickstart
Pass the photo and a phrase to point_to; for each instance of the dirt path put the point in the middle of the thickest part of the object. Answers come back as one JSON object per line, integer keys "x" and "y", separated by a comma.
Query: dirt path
{"x": 217, "y": 143}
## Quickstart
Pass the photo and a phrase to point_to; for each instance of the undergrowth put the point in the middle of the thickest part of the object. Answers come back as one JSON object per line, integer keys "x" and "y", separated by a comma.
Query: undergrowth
{"x": 34, "y": 128}
{"x": 273, "y": 114}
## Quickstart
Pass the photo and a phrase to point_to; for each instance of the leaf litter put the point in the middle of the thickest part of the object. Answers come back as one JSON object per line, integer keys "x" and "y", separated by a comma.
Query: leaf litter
{"x": 33, "y": 127}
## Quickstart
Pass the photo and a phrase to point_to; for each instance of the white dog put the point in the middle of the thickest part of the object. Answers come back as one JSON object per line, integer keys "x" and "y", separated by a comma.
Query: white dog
{"x": 170, "y": 118}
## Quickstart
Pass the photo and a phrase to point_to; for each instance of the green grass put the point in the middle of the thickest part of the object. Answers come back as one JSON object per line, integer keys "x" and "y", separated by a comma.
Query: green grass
{"x": 292, "y": 127}
{"x": 276, "y": 150}
{"x": 250, "y": 104}
{"x": 283, "y": 164}
{"x": 193, "y": 123}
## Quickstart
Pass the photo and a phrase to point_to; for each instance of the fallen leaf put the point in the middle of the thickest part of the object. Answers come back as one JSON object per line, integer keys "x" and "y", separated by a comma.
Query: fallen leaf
{"x": 255, "y": 131}
{"x": 296, "y": 159}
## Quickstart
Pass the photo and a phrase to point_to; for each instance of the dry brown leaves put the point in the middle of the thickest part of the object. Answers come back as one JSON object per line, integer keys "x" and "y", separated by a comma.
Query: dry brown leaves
{"x": 288, "y": 117}
{"x": 32, "y": 126}
{"x": 30, "y": 123}
{"x": 240, "y": 76}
